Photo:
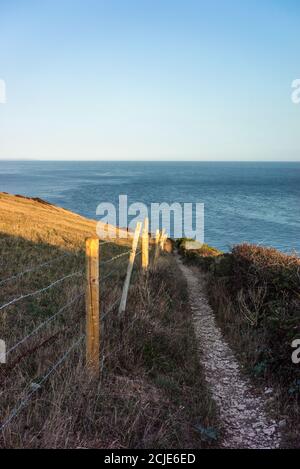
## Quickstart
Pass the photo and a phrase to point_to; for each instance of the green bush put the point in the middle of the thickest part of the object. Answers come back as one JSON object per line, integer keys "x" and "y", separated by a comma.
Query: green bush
{"x": 262, "y": 298}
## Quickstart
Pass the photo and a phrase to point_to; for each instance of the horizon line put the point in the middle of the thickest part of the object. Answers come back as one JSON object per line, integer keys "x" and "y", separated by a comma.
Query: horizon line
{"x": 145, "y": 161}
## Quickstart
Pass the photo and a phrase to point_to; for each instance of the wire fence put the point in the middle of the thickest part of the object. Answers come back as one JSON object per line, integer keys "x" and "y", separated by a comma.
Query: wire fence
{"x": 42, "y": 290}
{"x": 45, "y": 323}
{"x": 111, "y": 308}
{"x": 36, "y": 386}
{"x": 112, "y": 272}
{"x": 109, "y": 261}
{"x": 33, "y": 269}
{"x": 91, "y": 286}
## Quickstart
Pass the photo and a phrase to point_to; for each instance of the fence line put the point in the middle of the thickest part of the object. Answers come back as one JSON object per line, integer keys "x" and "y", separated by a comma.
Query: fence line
{"x": 92, "y": 305}
{"x": 93, "y": 281}
{"x": 111, "y": 308}
{"x": 157, "y": 238}
{"x": 32, "y": 269}
{"x": 145, "y": 245}
{"x": 109, "y": 241}
{"x": 38, "y": 385}
{"x": 110, "y": 273}
{"x": 115, "y": 258}
{"x": 48, "y": 320}
{"x": 37, "y": 292}
{"x": 135, "y": 241}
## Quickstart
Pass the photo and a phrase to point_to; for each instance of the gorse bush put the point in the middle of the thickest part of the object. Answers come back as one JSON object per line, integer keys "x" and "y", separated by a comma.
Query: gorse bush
{"x": 280, "y": 272}
{"x": 263, "y": 296}
{"x": 269, "y": 281}
{"x": 204, "y": 256}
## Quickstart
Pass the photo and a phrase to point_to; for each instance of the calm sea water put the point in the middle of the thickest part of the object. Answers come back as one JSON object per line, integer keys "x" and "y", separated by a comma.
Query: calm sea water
{"x": 253, "y": 202}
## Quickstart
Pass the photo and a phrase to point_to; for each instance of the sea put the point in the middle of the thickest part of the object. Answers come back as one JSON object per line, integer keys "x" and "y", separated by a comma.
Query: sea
{"x": 253, "y": 202}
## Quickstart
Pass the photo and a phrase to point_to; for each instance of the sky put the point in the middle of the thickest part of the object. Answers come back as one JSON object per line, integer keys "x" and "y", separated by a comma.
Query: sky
{"x": 149, "y": 79}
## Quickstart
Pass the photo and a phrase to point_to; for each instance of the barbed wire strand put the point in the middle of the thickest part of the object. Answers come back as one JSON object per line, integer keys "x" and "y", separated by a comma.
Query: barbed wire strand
{"x": 37, "y": 386}
{"x": 116, "y": 269}
{"x": 48, "y": 320}
{"x": 107, "y": 242}
{"x": 32, "y": 269}
{"x": 37, "y": 292}
{"x": 111, "y": 308}
{"x": 111, "y": 272}
{"x": 114, "y": 241}
{"x": 104, "y": 242}
{"x": 115, "y": 257}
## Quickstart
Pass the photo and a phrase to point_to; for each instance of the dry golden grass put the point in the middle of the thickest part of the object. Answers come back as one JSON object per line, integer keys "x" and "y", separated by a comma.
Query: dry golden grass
{"x": 151, "y": 391}
{"x": 41, "y": 222}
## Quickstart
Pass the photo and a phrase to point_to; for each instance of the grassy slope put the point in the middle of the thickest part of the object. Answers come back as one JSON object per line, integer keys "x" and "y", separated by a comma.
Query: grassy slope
{"x": 151, "y": 392}
{"x": 38, "y": 221}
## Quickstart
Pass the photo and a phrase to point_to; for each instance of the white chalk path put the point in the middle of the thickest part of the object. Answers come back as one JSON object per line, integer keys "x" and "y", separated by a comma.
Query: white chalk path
{"x": 242, "y": 412}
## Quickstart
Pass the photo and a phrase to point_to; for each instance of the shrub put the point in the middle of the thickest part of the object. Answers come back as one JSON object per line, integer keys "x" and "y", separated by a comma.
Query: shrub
{"x": 261, "y": 293}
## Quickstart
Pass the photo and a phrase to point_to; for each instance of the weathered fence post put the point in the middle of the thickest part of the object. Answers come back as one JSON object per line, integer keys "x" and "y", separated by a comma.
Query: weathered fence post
{"x": 145, "y": 245}
{"x": 135, "y": 241}
{"x": 157, "y": 238}
{"x": 2, "y": 351}
{"x": 162, "y": 239}
{"x": 92, "y": 305}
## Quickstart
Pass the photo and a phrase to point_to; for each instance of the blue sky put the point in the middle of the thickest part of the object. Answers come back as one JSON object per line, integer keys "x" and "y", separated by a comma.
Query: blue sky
{"x": 159, "y": 79}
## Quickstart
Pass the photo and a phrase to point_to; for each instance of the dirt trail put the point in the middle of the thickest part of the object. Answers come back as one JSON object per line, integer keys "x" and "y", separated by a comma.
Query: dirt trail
{"x": 242, "y": 412}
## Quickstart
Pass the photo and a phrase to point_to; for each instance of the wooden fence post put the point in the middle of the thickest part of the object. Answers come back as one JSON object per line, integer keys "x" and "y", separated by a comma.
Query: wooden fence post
{"x": 92, "y": 305}
{"x": 157, "y": 238}
{"x": 145, "y": 245}
{"x": 162, "y": 239}
{"x": 135, "y": 241}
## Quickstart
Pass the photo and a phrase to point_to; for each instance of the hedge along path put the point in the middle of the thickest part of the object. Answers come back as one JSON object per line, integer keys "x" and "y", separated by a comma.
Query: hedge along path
{"x": 242, "y": 412}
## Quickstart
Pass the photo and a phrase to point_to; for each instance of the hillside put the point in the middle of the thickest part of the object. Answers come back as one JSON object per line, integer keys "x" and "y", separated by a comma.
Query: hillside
{"x": 151, "y": 391}
{"x": 37, "y": 220}
{"x": 160, "y": 385}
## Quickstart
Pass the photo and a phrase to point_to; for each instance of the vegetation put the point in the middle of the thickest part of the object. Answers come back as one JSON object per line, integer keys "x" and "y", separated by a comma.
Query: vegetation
{"x": 151, "y": 392}
{"x": 203, "y": 256}
{"x": 255, "y": 292}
